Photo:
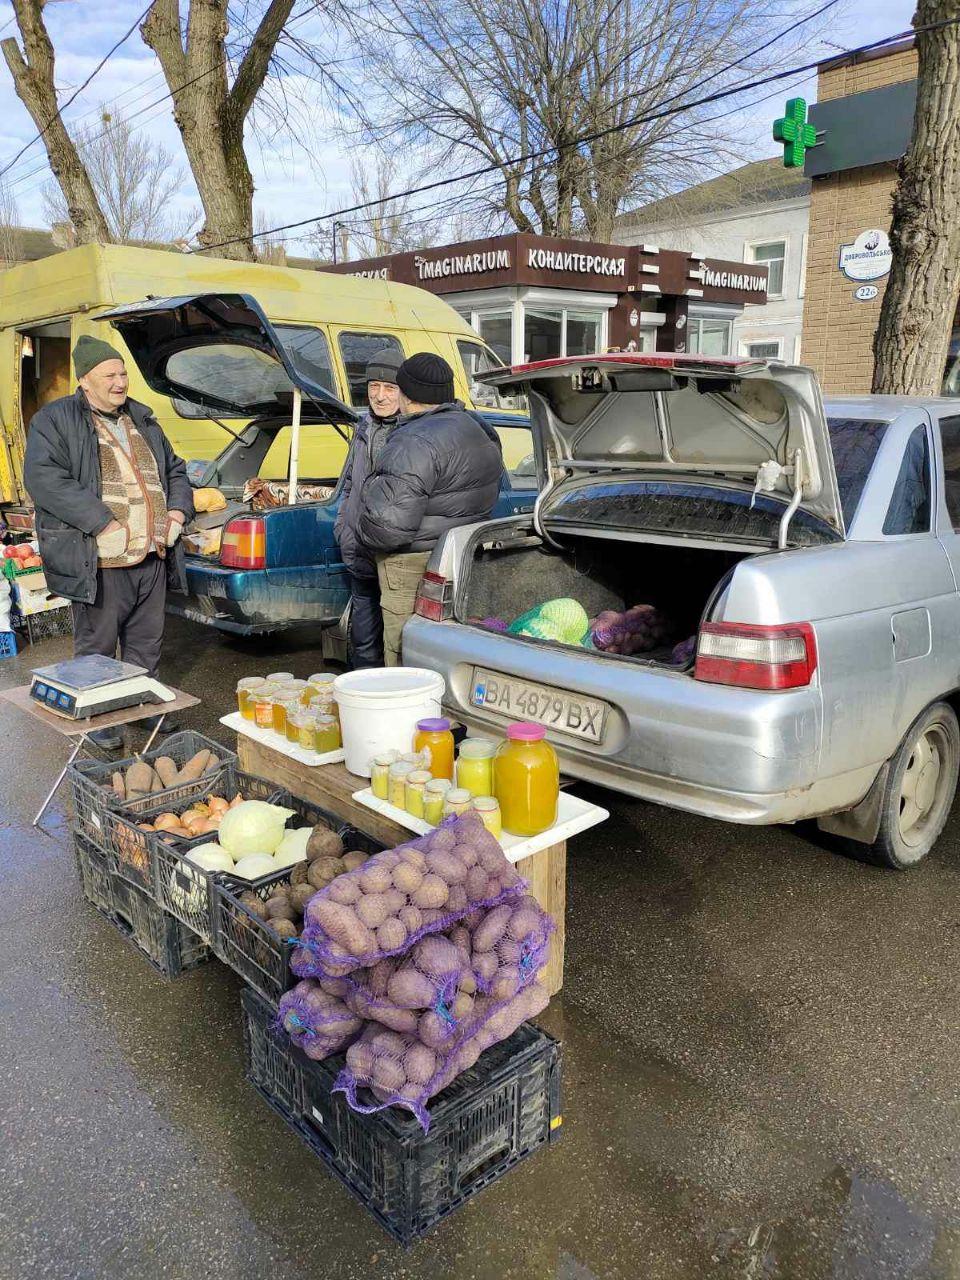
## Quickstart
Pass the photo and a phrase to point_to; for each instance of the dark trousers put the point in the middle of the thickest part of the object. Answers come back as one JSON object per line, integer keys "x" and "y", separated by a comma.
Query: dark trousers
{"x": 366, "y": 623}
{"x": 128, "y": 610}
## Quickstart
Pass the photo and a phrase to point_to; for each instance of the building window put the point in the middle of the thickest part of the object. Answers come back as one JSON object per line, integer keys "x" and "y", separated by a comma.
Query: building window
{"x": 770, "y": 350}
{"x": 708, "y": 336}
{"x": 771, "y": 256}
{"x": 542, "y": 334}
{"x": 495, "y": 328}
{"x": 583, "y": 332}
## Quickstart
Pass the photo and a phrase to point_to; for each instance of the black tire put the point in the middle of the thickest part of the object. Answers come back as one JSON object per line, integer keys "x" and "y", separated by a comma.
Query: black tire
{"x": 920, "y": 789}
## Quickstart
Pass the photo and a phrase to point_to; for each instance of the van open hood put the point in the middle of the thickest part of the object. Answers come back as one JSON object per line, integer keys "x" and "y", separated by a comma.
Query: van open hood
{"x": 220, "y": 352}
{"x": 747, "y": 425}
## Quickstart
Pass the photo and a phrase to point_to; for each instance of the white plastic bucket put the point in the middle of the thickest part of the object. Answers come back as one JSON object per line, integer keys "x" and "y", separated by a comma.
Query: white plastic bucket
{"x": 379, "y": 710}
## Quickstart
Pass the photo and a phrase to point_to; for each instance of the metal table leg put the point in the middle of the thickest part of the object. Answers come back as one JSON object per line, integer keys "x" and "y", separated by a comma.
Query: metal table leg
{"x": 60, "y": 777}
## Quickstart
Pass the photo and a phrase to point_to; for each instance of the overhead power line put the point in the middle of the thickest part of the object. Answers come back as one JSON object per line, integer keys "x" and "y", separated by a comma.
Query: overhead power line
{"x": 76, "y": 94}
{"x": 543, "y": 152}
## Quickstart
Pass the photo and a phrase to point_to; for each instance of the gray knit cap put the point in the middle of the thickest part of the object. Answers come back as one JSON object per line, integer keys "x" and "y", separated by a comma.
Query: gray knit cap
{"x": 383, "y": 366}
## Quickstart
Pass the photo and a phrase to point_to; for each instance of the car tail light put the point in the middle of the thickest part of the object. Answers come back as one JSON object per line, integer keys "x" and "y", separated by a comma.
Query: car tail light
{"x": 244, "y": 544}
{"x": 435, "y": 598}
{"x": 751, "y": 657}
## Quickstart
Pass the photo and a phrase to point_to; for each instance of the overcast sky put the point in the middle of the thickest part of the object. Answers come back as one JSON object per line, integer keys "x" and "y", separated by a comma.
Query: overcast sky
{"x": 291, "y": 182}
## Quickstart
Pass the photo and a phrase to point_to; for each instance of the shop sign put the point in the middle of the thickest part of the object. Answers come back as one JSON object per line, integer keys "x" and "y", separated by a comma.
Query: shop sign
{"x": 734, "y": 280}
{"x": 462, "y": 264}
{"x": 373, "y": 273}
{"x": 868, "y": 257}
{"x": 588, "y": 264}
{"x": 866, "y": 293}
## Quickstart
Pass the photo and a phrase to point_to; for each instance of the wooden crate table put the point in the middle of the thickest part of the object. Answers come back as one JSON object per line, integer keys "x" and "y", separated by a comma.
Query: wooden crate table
{"x": 332, "y": 787}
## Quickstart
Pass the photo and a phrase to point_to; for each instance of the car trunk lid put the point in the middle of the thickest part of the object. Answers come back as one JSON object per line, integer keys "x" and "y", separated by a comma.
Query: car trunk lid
{"x": 621, "y": 433}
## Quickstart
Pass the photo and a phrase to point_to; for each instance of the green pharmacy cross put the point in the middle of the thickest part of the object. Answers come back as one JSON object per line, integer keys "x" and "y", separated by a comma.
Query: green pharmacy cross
{"x": 795, "y": 133}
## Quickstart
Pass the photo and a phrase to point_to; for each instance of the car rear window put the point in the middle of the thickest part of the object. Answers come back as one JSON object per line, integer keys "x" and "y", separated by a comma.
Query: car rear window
{"x": 855, "y": 442}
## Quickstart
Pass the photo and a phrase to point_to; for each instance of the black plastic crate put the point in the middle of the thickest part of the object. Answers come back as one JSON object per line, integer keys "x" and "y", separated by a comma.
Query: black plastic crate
{"x": 241, "y": 939}
{"x": 491, "y": 1117}
{"x": 187, "y": 892}
{"x": 96, "y": 878}
{"x": 167, "y": 943}
{"x": 93, "y": 793}
{"x": 133, "y": 852}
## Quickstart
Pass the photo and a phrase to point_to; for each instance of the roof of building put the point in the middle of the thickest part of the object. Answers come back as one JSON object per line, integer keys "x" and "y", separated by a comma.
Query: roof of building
{"x": 33, "y": 243}
{"x": 760, "y": 182}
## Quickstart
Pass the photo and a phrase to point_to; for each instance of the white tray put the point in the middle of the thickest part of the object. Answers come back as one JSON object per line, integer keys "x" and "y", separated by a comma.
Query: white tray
{"x": 270, "y": 739}
{"x": 573, "y": 816}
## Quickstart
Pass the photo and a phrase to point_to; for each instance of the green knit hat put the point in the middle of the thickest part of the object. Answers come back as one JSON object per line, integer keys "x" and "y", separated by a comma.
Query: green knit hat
{"x": 89, "y": 352}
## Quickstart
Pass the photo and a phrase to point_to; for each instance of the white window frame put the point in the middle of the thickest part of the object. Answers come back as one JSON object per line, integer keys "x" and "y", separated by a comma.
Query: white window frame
{"x": 748, "y": 252}
{"x": 696, "y": 318}
{"x": 801, "y": 288}
{"x": 747, "y": 343}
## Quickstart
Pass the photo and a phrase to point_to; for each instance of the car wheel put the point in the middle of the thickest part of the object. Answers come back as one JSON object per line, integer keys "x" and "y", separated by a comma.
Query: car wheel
{"x": 920, "y": 789}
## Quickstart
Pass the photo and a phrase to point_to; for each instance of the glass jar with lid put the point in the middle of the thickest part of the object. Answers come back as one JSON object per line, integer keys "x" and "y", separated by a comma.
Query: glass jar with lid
{"x": 280, "y": 677}
{"x": 527, "y": 780}
{"x": 262, "y": 702}
{"x": 283, "y": 704}
{"x": 245, "y": 687}
{"x": 380, "y": 774}
{"x": 457, "y": 801}
{"x": 434, "y": 739}
{"x": 488, "y": 808}
{"x": 475, "y": 766}
{"x": 326, "y": 735}
{"x": 414, "y": 791}
{"x": 305, "y": 723}
{"x": 435, "y": 793}
{"x": 399, "y": 773}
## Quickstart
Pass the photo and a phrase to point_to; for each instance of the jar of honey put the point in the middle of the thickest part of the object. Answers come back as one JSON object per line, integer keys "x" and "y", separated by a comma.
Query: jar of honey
{"x": 488, "y": 808}
{"x": 280, "y": 677}
{"x": 397, "y": 783}
{"x": 434, "y": 796}
{"x": 305, "y": 723}
{"x": 326, "y": 735}
{"x": 262, "y": 702}
{"x": 434, "y": 738}
{"x": 414, "y": 792}
{"x": 380, "y": 774}
{"x": 475, "y": 766}
{"x": 283, "y": 704}
{"x": 245, "y": 687}
{"x": 457, "y": 801}
{"x": 292, "y": 730}
{"x": 527, "y": 780}
{"x": 320, "y": 686}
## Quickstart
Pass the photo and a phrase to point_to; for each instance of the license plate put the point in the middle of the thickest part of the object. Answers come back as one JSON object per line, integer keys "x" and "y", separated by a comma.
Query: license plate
{"x": 519, "y": 700}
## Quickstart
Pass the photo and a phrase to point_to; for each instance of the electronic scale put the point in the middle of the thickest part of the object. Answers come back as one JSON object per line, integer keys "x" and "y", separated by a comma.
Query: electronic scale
{"x": 93, "y": 686}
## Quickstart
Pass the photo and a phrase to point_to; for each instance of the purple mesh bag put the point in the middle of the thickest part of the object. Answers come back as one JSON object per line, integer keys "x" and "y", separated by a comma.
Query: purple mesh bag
{"x": 402, "y": 895}
{"x": 683, "y": 652}
{"x": 400, "y": 1070}
{"x": 639, "y": 630}
{"x": 316, "y": 1020}
{"x": 431, "y": 991}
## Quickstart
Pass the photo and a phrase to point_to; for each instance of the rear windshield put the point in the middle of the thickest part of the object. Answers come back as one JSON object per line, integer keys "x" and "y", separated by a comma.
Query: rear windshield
{"x": 854, "y": 442}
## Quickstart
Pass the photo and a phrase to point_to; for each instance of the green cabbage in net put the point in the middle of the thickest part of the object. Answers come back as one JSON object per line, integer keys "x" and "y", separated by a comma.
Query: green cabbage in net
{"x": 564, "y": 621}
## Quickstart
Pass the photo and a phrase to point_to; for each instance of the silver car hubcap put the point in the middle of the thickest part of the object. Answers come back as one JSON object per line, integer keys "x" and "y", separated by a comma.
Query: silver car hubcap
{"x": 920, "y": 787}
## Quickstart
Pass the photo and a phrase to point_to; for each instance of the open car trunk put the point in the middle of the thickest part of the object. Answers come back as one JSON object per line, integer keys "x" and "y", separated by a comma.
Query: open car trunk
{"x": 512, "y": 572}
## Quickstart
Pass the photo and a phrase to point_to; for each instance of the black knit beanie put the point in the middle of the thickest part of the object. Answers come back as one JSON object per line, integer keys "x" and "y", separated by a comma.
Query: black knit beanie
{"x": 383, "y": 366}
{"x": 426, "y": 379}
{"x": 89, "y": 352}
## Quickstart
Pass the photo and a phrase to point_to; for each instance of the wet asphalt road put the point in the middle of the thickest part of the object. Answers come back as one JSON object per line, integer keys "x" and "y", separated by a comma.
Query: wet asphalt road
{"x": 761, "y": 1046}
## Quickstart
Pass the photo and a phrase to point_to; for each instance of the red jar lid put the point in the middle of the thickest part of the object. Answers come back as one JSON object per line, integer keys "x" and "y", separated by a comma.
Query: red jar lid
{"x": 526, "y": 731}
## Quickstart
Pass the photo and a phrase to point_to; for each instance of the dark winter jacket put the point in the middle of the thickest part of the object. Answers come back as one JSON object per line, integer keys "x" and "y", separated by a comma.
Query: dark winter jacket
{"x": 369, "y": 437}
{"x": 62, "y": 474}
{"x": 439, "y": 469}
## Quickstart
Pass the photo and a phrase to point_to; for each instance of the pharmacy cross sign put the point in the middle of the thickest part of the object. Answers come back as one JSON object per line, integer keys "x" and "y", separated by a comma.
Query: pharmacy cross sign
{"x": 795, "y": 133}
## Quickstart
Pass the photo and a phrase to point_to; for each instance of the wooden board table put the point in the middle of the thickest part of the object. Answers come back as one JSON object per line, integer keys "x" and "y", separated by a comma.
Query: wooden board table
{"x": 332, "y": 787}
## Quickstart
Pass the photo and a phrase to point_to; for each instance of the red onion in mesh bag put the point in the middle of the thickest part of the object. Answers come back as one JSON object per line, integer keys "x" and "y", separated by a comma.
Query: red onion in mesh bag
{"x": 402, "y": 895}
{"x": 320, "y": 1023}
{"x": 683, "y": 652}
{"x": 400, "y": 1070}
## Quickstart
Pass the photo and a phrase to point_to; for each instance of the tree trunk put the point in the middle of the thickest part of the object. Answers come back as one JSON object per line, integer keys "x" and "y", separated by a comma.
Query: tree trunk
{"x": 210, "y": 116}
{"x": 912, "y": 338}
{"x": 34, "y": 85}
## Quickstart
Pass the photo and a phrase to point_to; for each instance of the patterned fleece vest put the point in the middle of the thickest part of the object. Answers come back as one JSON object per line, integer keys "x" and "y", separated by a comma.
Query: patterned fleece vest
{"x": 132, "y": 490}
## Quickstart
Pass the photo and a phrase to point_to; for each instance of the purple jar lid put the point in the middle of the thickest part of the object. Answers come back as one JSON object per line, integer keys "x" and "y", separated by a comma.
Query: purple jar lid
{"x": 526, "y": 731}
{"x": 434, "y": 726}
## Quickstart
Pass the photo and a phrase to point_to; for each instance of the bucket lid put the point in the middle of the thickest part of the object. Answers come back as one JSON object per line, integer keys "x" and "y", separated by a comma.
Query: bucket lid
{"x": 376, "y": 682}
{"x": 437, "y": 725}
{"x": 478, "y": 748}
{"x": 525, "y": 731}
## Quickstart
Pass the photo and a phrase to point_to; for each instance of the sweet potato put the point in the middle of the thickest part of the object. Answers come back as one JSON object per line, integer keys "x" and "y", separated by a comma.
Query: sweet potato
{"x": 119, "y": 786}
{"x": 196, "y": 766}
{"x": 139, "y": 777}
{"x": 167, "y": 770}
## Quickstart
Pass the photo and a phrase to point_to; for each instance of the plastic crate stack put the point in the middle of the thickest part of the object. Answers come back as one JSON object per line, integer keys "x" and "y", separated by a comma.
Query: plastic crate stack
{"x": 123, "y": 890}
{"x": 34, "y": 609}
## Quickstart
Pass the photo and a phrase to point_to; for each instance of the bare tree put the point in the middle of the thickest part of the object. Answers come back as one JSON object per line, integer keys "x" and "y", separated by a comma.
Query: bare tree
{"x": 911, "y": 343}
{"x": 33, "y": 79}
{"x": 9, "y": 228}
{"x": 210, "y": 111}
{"x": 485, "y": 81}
{"x": 134, "y": 178}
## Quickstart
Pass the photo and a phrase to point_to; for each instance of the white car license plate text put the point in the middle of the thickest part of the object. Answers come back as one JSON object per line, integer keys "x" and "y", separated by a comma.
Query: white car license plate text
{"x": 580, "y": 717}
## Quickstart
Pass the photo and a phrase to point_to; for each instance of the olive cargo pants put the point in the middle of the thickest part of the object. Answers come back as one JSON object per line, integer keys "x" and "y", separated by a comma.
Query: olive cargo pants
{"x": 399, "y": 581}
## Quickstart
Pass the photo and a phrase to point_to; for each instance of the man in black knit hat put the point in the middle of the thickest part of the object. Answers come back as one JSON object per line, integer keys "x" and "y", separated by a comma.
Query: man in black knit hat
{"x": 441, "y": 468}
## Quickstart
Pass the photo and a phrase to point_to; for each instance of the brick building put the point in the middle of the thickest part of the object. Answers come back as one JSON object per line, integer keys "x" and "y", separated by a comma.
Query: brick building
{"x": 854, "y": 175}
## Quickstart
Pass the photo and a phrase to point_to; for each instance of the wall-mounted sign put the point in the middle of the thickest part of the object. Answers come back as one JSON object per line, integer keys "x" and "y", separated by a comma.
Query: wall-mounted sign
{"x": 795, "y": 133}
{"x": 866, "y": 293}
{"x": 868, "y": 258}
{"x": 375, "y": 273}
{"x": 588, "y": 264}
{"x": 462, "y": 264}
{"x": 735, "y": 280}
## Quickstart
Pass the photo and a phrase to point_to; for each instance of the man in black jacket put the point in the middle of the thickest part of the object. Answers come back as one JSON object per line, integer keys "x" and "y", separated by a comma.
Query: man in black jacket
{"x": 111, "y": 500}
{"x": 370, "y": 435}
{"x": 441, "y": 468}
